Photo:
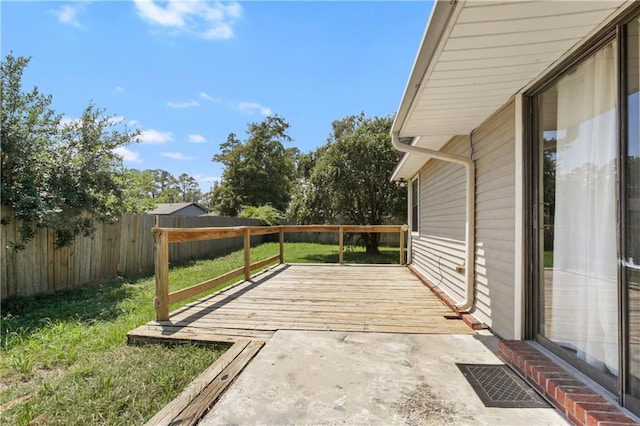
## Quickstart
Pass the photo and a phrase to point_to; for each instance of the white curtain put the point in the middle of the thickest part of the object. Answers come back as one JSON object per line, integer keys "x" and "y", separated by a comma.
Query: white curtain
{"x": 584, "y": 306}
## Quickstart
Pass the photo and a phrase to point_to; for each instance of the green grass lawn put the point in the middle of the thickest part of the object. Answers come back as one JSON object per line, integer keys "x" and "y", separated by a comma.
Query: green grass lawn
{"x": 64, "y": 356}
{"x": 319, "y": 253}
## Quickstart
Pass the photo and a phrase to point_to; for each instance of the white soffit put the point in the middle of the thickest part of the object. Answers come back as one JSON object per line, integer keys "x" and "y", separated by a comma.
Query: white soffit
{"x": 487, "y": 52}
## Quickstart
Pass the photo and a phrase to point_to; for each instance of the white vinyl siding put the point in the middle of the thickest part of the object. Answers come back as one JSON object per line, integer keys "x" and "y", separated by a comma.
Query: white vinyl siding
{"x": 440, "y": 246}
{"x": 494, "y": 155}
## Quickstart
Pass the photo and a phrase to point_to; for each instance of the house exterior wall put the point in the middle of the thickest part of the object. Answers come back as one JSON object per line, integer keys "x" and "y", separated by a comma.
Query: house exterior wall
{"x": 439, "y": 247}
{"x": 495, "y": 156}
{"x": 440, "y": 244}
{"x": 189, "y": 211}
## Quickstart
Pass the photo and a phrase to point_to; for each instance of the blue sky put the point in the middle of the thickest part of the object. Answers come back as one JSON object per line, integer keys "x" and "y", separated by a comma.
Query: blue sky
{"x": 188, "y": 73}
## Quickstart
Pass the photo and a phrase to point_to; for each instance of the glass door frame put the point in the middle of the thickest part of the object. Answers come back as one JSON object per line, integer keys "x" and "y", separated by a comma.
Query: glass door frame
{"x": 626, "y": 399}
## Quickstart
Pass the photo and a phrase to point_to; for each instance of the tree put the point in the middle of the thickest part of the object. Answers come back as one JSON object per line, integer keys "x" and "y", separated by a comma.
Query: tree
{"x": 167, "y": 189}
{"x": 300, "y": 207}
{"x": 350, "y": 179}
{"x": 54, "y": 173}
{"x": 189, "y": 188}
{"x": 266, "y": 214}
{"x": 137, "y": 189}
{"x": 258, "y": 171}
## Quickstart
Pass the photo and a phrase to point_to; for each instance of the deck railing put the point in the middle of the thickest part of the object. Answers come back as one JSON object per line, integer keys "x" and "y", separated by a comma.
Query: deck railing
{"x": 164, "y": 236}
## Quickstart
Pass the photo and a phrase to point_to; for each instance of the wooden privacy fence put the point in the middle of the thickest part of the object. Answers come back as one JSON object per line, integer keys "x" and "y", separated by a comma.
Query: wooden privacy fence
{"x": 164, "y": 236}
{"x": 121, "y": 248}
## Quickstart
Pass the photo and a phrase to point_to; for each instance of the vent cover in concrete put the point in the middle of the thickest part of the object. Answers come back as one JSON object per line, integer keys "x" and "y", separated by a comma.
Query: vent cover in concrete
{"x": 498, "y": 386}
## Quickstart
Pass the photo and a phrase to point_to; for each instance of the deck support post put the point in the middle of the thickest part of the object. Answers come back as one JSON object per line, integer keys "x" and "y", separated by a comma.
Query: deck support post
{"x": 341, "y": 245}
{"x": 161, "y": 248}
{"x": 247, "y": 253}
{"x": 281, "y": 244}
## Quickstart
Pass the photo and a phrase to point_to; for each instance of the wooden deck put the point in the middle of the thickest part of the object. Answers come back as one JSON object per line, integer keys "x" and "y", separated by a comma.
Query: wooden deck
{"x": 358, "y": 298}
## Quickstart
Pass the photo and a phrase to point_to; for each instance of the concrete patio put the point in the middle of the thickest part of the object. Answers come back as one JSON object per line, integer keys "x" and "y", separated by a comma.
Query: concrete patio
{"x": 355, "y": 378}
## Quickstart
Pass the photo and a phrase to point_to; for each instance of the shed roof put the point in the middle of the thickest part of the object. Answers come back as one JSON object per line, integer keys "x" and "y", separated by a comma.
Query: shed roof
{"x": 170, "y": 208}
{"x": 475, "y": 55}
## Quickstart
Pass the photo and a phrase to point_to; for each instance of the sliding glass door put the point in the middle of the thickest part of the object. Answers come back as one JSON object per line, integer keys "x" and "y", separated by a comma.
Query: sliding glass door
{"x": 578, "y": 142}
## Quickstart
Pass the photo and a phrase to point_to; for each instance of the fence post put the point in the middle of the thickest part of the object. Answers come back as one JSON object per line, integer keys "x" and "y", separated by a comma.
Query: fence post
{"x": 161, "y": 247}
{"x": 247, "y": 253}
{"x": 341, "y": 245}
{"x": 403, "y": 229}
{"x": 281, "y": 244}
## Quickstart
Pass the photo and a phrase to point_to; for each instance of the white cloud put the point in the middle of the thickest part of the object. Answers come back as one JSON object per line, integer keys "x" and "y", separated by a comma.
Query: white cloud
{"x": 207, "y": 179}
{"x": 152, "y": 13}
{"x": 119, "y": 89}
{"x": 197, "y": 139}
{"x": 133, "y": 123}
{"x": 253, "y": 107}
{"x": 206, "y": 97}
{"x": 184, "y": 104}
{"x": 152, "y": 136}
{"x": 177, "y": 156}
{"x": 68, "y": 15}
{"x": 127, "y": 155}
{"x": 208, "y": 20}
{"x": 116, "y": 119}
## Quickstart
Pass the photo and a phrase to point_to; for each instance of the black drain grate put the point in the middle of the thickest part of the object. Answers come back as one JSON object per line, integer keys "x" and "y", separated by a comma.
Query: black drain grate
{"x": 498, "y": 386}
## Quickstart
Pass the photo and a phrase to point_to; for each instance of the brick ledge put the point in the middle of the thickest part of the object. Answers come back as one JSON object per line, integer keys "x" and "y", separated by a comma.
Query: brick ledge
{"x": 467, "y": 317}
{"x": 579, "y": 403}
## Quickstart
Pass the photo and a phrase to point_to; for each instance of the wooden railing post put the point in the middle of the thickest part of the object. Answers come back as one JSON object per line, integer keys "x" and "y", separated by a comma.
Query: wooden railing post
{"x": 247, "y": 253}
{"x": 341, "y": 245}
{"x": 161, "y": 247}
{"x": 281, "y": 244}
{"x": 403, "y": 229}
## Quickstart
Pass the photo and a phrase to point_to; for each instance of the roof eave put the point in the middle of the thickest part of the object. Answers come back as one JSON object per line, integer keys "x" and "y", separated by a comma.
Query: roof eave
{"x": 439, "y": 19}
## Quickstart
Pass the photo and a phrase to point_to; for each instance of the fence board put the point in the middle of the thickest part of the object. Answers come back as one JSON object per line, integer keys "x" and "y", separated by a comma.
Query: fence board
{"x": 50, "y": 262}
{"x": 84, "y": 267}
{"x": 115, "y": 261}
{"x": 34, "y": 262}
{"x": 12, "y": 287}
{"x": 4, "y": 282}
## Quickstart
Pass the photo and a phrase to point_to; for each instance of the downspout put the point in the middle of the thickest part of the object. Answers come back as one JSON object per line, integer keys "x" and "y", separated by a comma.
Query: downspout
{"x": 470, "y": 168}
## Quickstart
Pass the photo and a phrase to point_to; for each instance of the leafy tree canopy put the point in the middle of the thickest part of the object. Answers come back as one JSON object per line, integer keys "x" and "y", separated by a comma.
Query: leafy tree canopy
{"x": 267, "y": 214}
{"x": 189, "y": 190}
{"x": 136, "y": 185}
{"x": 350, "y": 178}
{"x": 258, "y": 171}
{"x": 55, "y": 174}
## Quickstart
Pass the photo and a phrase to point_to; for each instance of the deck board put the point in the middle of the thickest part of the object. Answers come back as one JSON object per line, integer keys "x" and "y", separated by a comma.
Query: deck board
{"x": 350, "y": 298}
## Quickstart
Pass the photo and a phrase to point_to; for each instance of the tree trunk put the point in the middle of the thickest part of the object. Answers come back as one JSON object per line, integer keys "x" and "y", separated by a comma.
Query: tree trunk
{"x": 371, "y": 242}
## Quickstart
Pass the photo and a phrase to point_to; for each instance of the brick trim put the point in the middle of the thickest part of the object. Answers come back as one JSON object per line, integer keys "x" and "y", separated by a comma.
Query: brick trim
{"x": 579, "y": 403}
{"x": 467, "y": 317}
